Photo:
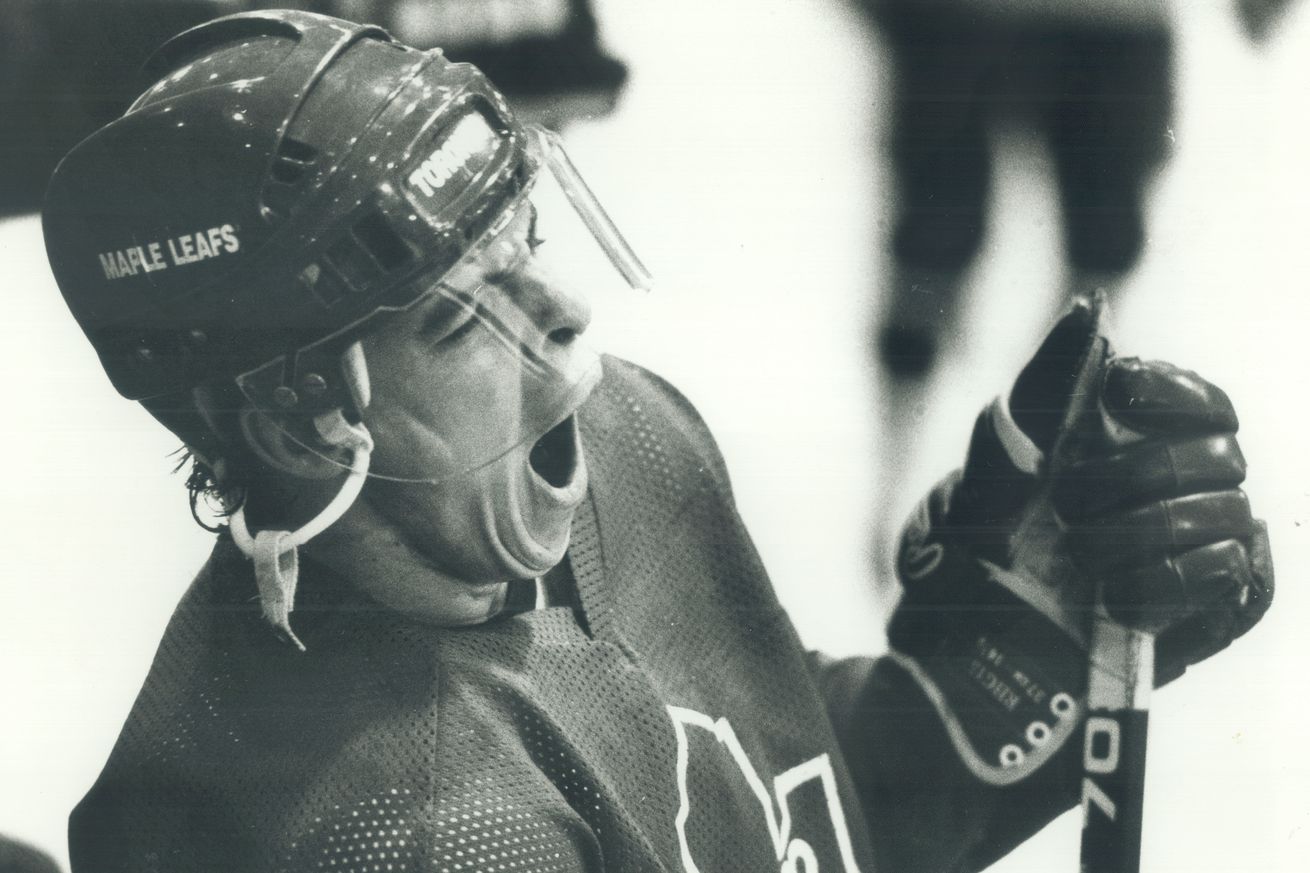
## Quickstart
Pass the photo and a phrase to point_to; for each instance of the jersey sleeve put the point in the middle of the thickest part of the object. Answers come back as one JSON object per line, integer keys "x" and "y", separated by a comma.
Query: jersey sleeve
{"x": 924, "y": 810}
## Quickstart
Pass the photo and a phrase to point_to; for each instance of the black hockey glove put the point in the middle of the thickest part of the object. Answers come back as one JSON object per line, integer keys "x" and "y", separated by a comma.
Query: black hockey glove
{"x": 1004, "y": 563}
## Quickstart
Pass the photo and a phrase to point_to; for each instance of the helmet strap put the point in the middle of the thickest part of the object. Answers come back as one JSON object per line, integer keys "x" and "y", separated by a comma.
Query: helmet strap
{"x": 274, "y": 552}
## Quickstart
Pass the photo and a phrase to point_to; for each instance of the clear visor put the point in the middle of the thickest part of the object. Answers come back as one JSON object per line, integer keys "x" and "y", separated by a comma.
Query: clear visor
{"x": 490, "y": 356}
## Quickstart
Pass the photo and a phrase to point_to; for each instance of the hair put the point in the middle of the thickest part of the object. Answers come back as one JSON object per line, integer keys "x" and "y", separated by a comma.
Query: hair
{"x": 221, "y": 470}
{"x": 223, "y": 473}
{"x": 204, "y": 486}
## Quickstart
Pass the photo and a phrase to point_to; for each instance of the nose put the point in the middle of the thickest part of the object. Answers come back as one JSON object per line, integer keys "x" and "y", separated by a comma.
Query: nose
{"x": 559, "y": 313}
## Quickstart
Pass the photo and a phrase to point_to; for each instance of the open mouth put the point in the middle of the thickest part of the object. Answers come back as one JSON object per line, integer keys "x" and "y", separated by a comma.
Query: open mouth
{"x": 554, "y": 457}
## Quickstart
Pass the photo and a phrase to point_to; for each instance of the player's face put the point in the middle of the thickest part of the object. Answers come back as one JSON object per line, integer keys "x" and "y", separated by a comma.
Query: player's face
{"x": 489, "y": 369}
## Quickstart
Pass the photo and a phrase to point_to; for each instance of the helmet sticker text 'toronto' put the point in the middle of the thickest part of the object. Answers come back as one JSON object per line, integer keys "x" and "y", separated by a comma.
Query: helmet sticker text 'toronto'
{"x": 467, "y": 149}
{"x": 176, "y": 251}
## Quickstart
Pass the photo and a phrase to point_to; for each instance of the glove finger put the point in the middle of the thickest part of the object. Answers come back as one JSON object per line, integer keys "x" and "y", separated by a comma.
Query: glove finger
{"x": 1044, "y": 388}
{"x": 1154, "y": 397}
{"x": 1149, "y": 471}
{"x": 1166, "y": 527}
{"x": 1209, "y": 630}
{"x": 1261, "y": 594}
{"x": 1158, "y": 595}
{"x": 1191, "y": 641}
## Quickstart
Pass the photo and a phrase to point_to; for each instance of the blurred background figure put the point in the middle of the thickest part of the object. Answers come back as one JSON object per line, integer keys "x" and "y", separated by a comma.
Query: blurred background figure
{"x": 1261, "y": 18}
{"x": 546, "y": 55}
{"x": 16, "y": 857}
{"x": 1093, "y": 78}
{"x": 69, "y": 66}
{"x": 1082, "y": 91}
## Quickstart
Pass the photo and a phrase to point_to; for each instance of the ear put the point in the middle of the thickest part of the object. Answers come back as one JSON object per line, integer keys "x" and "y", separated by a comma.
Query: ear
{"x": 271, "y": 439}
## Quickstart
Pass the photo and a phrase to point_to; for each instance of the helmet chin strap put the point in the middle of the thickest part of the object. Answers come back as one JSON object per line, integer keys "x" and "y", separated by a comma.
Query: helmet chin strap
{"x": 277, "y": 563}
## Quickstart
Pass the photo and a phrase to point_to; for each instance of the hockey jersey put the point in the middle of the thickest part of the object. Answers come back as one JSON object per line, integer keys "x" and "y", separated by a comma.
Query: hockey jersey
{"x": 670, "y": 721}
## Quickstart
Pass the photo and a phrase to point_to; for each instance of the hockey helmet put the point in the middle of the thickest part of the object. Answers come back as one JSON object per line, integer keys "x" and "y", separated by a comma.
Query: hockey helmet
{"x": 287, "y": 179}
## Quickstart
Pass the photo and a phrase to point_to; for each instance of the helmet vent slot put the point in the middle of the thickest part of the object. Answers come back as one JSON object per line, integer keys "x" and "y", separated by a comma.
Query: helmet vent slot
{"x": 295, "y": 150}
{"x": 349, "y": 259}
{"x": 288, "y": 172}
{"x": 381, "y": 241}
{"x": 325, "y": 287}
{"x": 293, "y": 160}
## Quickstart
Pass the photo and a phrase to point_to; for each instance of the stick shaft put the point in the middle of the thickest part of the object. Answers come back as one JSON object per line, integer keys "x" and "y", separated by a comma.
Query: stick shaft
{"x": 1114, "y": 747}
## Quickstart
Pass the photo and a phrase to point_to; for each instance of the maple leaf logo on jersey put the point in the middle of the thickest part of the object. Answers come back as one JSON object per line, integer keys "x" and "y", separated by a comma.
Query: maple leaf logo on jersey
{"x": 794, "y": 854}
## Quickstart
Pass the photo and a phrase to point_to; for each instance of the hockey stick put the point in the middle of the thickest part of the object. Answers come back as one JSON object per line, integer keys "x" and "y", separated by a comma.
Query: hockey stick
{"x": 1121, "y": 674}
{"x": 1114, "y": 747}
{"x": 1120, "y": 677}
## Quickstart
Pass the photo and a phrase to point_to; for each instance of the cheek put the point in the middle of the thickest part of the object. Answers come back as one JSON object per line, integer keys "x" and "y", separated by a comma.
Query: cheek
{"x": 440, "y": 522}
{"x": 436, "y": 417}
{"x": 406, "y": 446}
{"x": 483, "y": 387}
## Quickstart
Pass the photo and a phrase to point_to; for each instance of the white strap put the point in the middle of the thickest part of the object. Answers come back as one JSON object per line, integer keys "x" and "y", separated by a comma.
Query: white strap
{"x": 277, "y": 564}
{"x": 277, "y": 568}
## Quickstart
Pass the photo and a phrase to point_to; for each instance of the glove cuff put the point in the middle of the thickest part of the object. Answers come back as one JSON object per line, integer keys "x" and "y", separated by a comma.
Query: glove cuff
{"x": 1008, "y": 683}
{"x": 1006, "y": 712}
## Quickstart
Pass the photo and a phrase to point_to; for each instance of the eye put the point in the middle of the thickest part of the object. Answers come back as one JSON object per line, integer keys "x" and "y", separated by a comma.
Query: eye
{"x": 465, "y": 322}
{"x": 452, "y": 320}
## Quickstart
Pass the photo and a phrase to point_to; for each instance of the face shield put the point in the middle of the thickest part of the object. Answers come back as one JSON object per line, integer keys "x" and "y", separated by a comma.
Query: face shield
{"x": 467, "y": 363}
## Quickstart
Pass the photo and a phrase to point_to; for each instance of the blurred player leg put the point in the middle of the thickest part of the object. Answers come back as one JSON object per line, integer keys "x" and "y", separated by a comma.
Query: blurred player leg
{"x": 17, "y": 857}
{"x": 1109, "y": 127}
{"x": 943, "y": 76}
{"x": 941, "y": 71}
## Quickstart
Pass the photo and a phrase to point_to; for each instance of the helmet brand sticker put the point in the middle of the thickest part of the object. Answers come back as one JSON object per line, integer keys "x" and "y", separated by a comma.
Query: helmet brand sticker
{"x": 176, "y": 251}
{"x": 469, "y": 147}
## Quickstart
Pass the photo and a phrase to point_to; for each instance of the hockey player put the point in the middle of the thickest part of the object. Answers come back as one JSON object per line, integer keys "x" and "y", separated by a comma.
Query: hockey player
{"x": 484, "y": 602}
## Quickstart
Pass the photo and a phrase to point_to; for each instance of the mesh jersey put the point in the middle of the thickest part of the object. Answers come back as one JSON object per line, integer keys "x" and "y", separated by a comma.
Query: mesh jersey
{"x": 671, "y": 723}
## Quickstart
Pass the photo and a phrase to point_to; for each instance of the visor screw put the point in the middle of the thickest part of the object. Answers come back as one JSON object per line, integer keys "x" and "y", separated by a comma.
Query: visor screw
{"x": 313, "y": 384}
{"x": 145, "y": 355}
{"x": 285, "y": 397}
{"x": 197, "y": 337}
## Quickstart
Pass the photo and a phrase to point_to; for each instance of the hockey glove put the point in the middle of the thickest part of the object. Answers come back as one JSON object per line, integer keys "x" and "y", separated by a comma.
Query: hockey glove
{"x": 1004, "y": 563}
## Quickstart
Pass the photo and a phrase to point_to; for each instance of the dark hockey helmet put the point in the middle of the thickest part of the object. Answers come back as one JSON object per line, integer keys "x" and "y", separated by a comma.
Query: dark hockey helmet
{"x": 288, "y": 177}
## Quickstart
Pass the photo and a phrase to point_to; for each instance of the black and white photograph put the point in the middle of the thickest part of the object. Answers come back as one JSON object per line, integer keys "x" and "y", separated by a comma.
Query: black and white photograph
{"x": 567, "y": 436}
